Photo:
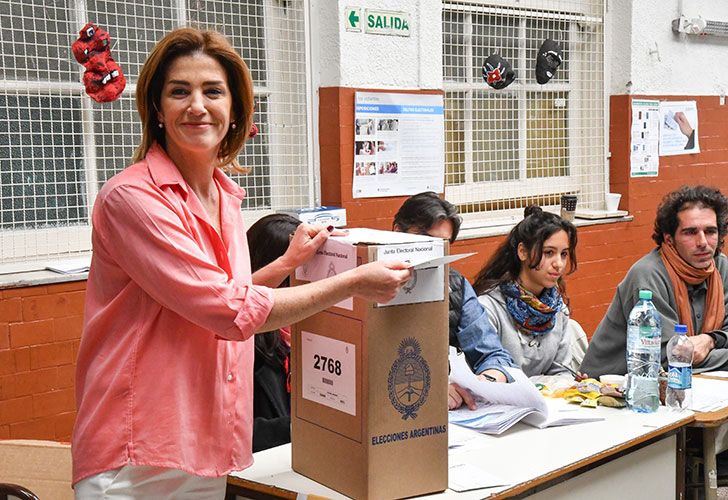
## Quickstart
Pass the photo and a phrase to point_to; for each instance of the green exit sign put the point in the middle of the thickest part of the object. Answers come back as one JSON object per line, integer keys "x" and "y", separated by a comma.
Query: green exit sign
{"x": 377, "y": 22}
{"x": 386, "y": 22}
{"x": 352, "y": 18}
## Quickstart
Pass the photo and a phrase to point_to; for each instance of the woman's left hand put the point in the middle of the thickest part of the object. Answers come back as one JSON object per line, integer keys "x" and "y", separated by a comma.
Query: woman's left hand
{"x": 306, "y": 240}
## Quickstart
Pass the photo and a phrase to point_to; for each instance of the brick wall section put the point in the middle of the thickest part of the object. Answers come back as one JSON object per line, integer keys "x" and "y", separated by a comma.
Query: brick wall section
{"x": 605, "y": 252}
{"x": 40, "y": 326}
{"x": 40, "y": 329}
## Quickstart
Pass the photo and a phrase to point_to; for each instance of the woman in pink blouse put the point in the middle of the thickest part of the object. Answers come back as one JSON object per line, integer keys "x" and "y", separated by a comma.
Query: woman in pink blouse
{"x": 164, "y": 372}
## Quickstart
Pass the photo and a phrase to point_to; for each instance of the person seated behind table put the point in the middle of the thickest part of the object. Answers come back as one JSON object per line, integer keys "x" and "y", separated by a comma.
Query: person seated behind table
{"x": 426, "y": 213}
{"x": 688, "y": 276}
{"x": 268, "y": 239}
{"x": 522, "y": 290}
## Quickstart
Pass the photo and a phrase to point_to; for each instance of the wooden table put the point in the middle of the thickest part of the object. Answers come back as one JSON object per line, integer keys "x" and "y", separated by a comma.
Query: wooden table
{"x": 627, "y": 455}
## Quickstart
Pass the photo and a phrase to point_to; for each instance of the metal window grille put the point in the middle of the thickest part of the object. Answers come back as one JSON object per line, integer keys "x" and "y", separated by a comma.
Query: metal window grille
{"x": 528, "y": 143}
{"x": 57, "y": 146}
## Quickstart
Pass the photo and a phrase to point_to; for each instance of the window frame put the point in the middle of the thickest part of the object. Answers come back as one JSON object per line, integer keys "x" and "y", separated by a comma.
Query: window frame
{"x": 491, "y": 191}
{"x": 54, "y": 243}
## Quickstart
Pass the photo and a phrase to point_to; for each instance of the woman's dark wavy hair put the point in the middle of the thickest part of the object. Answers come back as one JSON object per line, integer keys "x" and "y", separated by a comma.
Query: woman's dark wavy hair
{"x": 536, "y": 227}
{"x": 666, "y": 221}
{"x": 268, "y": 239}
{"x": 421, "y": 211}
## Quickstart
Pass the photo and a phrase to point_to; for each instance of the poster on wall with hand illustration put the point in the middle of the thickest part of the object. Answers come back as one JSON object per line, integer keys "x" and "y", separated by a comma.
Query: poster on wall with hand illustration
{"x": 678, "y": 128}
{"x": 399, "y": 144}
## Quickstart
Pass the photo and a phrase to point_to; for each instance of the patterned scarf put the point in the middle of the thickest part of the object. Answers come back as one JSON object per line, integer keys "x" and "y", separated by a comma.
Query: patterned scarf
{"x": 532, "y": 315}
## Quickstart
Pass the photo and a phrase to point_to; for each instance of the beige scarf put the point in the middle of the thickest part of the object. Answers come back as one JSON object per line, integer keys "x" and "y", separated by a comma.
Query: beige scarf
{"x": 680, "y": 273}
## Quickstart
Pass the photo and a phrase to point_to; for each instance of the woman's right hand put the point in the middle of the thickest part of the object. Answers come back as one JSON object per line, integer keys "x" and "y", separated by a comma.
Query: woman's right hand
{"x": 380, "y": 281}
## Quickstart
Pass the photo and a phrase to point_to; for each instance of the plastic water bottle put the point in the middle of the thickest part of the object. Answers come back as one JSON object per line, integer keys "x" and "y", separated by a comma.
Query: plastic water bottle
{"x": 644, "y": 335}
{"x": 680, "y": 370}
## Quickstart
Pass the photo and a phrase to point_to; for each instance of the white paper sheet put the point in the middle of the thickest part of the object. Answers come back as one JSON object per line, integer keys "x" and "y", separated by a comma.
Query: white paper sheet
{"x": 709, "y": 395}
{"x": 465, "y": 477}
{"x": 70, "y": 266}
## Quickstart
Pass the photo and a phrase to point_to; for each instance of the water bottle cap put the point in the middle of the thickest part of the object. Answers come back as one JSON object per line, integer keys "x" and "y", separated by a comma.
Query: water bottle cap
{"x": 646, "y": 294}
{"x": 681, "y": 329}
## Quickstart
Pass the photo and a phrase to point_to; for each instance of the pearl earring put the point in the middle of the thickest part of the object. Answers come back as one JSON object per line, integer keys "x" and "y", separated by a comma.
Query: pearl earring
{"x": 160, "y": 125}
{"x": 233, "y": 125}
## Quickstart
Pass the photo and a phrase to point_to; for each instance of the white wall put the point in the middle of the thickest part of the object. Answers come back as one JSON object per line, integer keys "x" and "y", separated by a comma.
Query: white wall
{"x": 646, "y": 57}
{"x": 347, "y": 59}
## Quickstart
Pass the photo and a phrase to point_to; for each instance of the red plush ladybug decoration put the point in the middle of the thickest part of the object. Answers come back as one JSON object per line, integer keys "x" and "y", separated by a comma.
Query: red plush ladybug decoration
{"x": 103, "y": 78}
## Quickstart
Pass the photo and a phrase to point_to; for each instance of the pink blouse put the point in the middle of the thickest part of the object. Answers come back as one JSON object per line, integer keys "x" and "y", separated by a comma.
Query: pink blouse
{"x": 164, "y": 375}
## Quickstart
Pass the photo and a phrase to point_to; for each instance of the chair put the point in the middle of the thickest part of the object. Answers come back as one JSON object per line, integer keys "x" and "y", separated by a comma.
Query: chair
{"x": 579, "y": 343}
{"x": 11, "y": 491}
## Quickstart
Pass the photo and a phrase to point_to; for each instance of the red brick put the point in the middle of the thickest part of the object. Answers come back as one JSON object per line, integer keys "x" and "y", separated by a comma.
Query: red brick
{"x": 56, "y": 354}
{"x": 41, "y": 428}
{"x": 31, "y": 333}
{"x": 53, "y": 403}
{"x": 28, "y": 383}
{"x": 4, "y": 336}
{"x": 68, "y": 328}
{"x": 16, "y": 410}
{"x": 75, "y": 303}
{"x": 4, "y": 432}
{"x": 47, "y": 306}
{"x": 7, "y": 365}
{"x": 64, "y": 426}
{"x": 27, "y": 291}
{"x": 22, "y": 359}
{"x": 11, "y": 310}
{"x": 66, "y": 376}
{"x": 70, "y": 286}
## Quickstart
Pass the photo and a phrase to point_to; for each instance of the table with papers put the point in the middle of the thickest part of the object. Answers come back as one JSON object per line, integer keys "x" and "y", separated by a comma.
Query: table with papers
{"x": 594, "y": 460}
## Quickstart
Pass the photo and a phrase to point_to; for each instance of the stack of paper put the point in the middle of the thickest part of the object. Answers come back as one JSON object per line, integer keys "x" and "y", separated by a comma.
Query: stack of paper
{"x": 502, "y": 405}
{"x": 70, "y": 266}
{"x": 488, "y": 418}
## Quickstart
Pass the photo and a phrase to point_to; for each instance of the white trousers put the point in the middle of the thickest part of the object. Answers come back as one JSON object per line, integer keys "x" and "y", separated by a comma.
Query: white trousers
{"x": 133, "y": 482}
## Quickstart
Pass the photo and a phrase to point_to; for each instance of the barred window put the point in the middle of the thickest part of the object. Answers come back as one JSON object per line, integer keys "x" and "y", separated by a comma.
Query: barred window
{"x": 58, "y": 147}
{"x": 528, "y": 143}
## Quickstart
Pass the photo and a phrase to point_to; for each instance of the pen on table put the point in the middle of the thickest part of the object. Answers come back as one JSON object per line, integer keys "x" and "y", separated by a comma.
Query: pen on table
{"x": 576, "y": 375}
{"x": 487, "y": 377}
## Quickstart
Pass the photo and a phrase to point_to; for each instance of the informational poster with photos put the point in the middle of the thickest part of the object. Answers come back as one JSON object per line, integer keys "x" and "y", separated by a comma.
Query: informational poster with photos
{"x": 678, "y": 128}
{"x": 399, "y": 146}
{"x": 644, "y": 157}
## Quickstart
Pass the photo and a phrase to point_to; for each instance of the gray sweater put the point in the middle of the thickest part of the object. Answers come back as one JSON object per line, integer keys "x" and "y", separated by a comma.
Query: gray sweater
{"x": 607, "y": 348}
{"x": 535, "y": 354}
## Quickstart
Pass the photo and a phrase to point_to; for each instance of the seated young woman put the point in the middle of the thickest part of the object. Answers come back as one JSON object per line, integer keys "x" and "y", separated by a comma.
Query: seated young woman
{"x": 268, "y": 239}
{"x": 522, "y": 289}
{"x": 426, "y": 213}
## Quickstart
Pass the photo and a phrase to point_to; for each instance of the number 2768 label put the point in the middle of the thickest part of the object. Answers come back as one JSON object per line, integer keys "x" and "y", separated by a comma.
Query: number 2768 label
{"x": 328, "y": 374}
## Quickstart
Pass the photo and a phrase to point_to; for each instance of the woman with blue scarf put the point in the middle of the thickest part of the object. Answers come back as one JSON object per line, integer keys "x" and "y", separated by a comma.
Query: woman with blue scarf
{"x": 522, "y": 290}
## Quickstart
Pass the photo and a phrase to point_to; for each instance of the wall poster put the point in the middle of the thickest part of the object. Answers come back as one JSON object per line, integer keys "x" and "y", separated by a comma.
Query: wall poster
{"x": 678, "y": 128}
{"x": 645, "y": 137}
{"x": 399, "y": 144}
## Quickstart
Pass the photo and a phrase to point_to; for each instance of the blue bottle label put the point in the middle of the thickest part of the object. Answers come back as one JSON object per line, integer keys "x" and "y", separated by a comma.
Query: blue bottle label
{"x": 680, "y": 377}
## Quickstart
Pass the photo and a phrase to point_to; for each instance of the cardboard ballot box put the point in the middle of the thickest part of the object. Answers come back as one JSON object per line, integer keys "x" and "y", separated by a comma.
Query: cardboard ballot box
{"x": 369, "y": 398}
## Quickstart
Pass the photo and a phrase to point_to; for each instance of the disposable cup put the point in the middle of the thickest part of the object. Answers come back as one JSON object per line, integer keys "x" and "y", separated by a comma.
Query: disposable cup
{"x": 612, "y": 200}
